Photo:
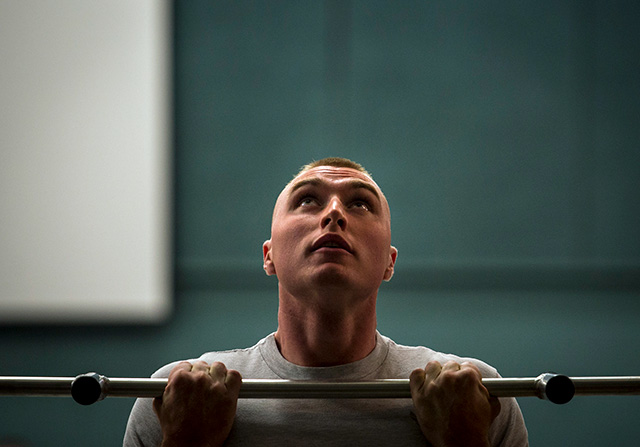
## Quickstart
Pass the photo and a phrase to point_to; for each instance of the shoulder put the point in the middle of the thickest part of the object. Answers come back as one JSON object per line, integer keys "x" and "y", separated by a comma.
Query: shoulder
{"x": 508, "y": 429}
{"x": 412, "y": 357}
{"x": 241, "y": 359}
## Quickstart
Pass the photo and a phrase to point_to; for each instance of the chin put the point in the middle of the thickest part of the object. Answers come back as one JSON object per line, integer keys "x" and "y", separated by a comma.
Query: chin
{"x": 329, "y": 278}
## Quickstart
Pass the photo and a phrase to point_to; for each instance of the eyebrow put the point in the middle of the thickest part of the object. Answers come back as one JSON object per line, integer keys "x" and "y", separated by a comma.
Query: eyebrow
{"x": 354, "y": 183}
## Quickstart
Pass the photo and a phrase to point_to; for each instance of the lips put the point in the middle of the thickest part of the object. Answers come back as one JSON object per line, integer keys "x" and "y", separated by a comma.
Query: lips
{"x": 331, "y": 241}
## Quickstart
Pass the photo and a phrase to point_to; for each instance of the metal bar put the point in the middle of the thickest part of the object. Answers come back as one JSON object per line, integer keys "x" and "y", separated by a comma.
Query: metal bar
{"x": 91, "y": 387}
{"x": 35, "y": 386}
{"x": 606, "y": 386}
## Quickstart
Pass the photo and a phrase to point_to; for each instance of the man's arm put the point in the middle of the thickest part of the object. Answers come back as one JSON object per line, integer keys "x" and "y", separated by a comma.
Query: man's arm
{"x": 198, "y": 405}
{"x": 452, "y": 405}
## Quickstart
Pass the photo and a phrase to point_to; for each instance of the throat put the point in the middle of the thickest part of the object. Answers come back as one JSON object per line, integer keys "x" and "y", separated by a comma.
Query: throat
{"x": 326, "y": 339}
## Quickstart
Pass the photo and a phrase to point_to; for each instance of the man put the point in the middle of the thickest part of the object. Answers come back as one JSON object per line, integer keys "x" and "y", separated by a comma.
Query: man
{"x": 330, "y": 249}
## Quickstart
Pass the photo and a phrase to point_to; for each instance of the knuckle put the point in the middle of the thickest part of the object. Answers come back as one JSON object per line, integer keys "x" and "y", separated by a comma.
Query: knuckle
{"x": 448, "y": 376}
{"x": 431, "y": 392}
{"x": 218, "y": 388}
{"x": 200, "y": 377}
{"x": 180, "y": 375}
{"x": 470, "y": 375}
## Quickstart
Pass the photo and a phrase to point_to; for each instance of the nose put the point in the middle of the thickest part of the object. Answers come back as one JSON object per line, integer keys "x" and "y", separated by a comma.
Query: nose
{"x": 334, "y": 215}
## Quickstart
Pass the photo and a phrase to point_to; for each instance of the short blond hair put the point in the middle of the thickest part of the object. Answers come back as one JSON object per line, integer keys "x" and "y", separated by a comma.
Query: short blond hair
{"x": 336, "y": 162}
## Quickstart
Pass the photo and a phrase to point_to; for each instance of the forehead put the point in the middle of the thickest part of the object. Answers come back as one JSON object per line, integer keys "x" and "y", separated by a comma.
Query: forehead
{"x": 331, "y": 175}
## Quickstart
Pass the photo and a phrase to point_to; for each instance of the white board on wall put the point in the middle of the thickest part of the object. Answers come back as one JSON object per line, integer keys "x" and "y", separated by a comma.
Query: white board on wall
{"x": 84, "y": 161}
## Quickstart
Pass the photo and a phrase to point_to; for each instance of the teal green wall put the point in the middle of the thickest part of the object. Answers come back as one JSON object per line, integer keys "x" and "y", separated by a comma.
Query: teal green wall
{"x": 505, "y": 135}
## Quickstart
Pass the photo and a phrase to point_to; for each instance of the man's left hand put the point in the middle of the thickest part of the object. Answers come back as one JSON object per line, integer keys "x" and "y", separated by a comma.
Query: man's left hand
{"x": 452, "y": 406}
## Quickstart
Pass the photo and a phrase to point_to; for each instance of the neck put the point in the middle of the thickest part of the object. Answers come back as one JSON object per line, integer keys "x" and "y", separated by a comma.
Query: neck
{"x": 319, "y": 336}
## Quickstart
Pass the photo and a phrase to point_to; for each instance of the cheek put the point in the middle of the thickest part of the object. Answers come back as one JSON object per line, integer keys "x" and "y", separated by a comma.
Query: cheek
{"x": 288, "y": 238}
{"x": 379, "y": 243}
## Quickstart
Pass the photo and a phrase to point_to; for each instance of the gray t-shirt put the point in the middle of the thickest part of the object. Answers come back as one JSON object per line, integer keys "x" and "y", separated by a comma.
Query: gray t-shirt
{"x": 327, "y": 422}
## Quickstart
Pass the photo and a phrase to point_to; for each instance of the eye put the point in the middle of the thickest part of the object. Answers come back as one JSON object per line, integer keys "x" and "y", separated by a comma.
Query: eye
{"x": 307, "y": 201}
{"x": 361, "y": 204}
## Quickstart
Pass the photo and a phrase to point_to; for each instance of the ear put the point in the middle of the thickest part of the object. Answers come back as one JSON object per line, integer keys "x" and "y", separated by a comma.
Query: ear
{"x": 267, "y": 265}
{"x": 393, "y": 254}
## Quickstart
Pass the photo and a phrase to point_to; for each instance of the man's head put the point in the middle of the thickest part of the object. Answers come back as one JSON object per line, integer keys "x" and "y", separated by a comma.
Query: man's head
{"x": 331, "y": 229}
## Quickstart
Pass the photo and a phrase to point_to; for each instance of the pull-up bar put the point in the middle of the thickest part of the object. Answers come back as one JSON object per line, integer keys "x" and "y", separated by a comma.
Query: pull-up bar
{"x": 92, "y": 387}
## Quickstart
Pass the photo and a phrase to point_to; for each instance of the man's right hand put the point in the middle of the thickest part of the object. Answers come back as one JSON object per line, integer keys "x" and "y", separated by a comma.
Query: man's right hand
{"x": 198, "y": 405}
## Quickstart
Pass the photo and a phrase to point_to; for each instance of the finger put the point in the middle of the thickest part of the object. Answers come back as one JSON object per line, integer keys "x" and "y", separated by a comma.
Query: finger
{"x": 416, "y": 379}
{"x": 218, "y": 371}
{"x": 432, "y": 370}
{"x": 471, "y": 368}
{"x": 233, "y": 381}
{"x": 200, "y": 366}
{"x": 451, "y": 366}
{"x": 470, "y": 365}
{"x": 180, "y": 367}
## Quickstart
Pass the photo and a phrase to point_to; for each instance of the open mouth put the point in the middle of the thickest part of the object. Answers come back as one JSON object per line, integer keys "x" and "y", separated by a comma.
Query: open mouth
{"x": 332, "y": 242}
